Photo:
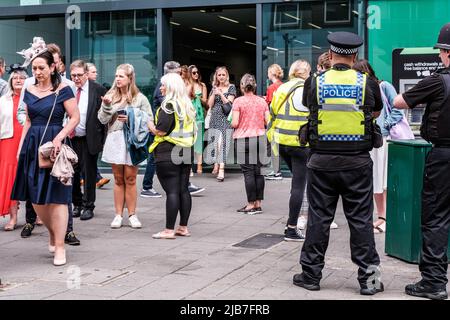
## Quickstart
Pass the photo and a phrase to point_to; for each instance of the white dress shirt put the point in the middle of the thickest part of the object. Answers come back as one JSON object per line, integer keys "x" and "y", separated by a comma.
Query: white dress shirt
{"x": 80, "y": 130}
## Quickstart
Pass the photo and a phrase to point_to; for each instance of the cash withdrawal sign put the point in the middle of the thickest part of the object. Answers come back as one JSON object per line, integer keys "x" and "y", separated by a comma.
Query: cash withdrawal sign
{"x": 409, "y": 66}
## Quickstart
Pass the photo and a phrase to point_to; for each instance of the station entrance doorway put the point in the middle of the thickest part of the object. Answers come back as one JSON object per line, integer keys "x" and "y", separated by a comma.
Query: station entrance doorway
{"x": 212, "y": 37}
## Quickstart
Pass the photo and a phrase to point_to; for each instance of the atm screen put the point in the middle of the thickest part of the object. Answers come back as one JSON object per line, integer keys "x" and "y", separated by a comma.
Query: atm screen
{"x": 414, "y": 116}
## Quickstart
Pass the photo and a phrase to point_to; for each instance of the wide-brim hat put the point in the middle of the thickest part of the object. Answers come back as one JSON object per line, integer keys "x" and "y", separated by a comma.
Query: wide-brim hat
{"x": 37, "y": 47}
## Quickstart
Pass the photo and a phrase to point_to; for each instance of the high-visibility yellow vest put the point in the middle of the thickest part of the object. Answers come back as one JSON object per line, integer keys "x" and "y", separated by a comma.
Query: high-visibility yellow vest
{"x": 341, "y": 121}
{"x": 184, "y": 134}
{"x": 286, "y": 119}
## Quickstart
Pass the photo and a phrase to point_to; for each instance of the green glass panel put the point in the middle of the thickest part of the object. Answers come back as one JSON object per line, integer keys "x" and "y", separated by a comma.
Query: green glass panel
{"x": 402, "y": 24}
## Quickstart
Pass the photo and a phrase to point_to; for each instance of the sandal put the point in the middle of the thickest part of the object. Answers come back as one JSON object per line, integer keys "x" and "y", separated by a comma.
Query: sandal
{"x": 381, "y": 227}
{"x": 221, "y": 175}
{"x": 215, "y": 170}
{"x": 10, "y": 227}
{"x": 182, "y": 233}
{"x": 163, "y": 235}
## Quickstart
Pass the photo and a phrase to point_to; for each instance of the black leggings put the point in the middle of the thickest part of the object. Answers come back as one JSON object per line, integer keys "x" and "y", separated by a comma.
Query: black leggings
{"x": 295, "y": 158}
{"x": 174, "y": 180}
{"x": 249, "y": 154}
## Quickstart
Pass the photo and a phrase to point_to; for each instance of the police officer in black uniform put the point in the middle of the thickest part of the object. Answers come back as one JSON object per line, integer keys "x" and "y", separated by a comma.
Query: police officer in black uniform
{"x": 435, "y": 92}
{"x": 343, "y": 103}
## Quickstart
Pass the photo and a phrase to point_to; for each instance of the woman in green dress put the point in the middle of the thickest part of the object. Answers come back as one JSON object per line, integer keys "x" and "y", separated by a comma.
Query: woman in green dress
{"x": 199, "y": 93}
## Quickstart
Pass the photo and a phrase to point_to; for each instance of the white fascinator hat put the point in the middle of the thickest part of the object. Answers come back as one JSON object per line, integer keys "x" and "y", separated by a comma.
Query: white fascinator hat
{"x": 37, "y": 47}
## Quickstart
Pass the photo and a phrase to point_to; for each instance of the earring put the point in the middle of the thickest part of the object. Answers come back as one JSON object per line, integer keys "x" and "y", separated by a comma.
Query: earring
{"x": 53, "y": 73}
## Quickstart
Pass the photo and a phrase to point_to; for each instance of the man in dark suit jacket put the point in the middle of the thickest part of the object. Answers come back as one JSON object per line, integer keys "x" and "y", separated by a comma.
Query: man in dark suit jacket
{"x": 87, "y": 139}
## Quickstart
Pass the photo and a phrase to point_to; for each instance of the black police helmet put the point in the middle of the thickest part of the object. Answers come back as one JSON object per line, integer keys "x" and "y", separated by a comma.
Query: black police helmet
{"x": 443, "y": 41}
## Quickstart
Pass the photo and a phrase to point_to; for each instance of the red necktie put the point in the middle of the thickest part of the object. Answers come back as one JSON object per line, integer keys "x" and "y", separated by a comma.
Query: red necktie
{"x": 78, "y": 95}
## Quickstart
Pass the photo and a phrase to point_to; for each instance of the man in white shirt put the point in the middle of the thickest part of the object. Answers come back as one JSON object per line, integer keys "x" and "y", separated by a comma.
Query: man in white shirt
{"x": 87, "y": 139}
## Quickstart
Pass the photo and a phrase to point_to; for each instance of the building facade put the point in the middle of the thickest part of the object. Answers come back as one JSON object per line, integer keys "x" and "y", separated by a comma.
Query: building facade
{"x": 246, "y": 36}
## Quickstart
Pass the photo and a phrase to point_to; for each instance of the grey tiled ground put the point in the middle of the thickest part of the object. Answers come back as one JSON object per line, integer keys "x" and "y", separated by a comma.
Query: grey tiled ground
{"x": 129, "y": 264}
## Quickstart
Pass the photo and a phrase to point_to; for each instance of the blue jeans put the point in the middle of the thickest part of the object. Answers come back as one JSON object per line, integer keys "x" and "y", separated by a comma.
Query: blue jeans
{"x": 147, "y": 183}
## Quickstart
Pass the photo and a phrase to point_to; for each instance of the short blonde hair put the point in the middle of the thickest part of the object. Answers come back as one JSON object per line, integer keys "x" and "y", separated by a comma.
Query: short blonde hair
{"x": 276, "y": 70}
{"x": 299, "y": 69}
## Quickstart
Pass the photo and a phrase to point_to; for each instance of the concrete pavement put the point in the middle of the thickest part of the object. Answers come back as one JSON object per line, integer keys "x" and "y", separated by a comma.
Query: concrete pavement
{"x": 129, "y": 264}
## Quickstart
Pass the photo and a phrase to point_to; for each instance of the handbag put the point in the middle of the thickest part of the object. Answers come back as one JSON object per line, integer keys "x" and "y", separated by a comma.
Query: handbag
{"x": 208, "y": 119}
{"x": 226, "y": 108}
{"x": 401, "y": 130}
{"x": 44, "y": 162}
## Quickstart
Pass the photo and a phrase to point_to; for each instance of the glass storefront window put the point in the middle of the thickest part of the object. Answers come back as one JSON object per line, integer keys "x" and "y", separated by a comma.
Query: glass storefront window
{"x": 109, "y": 39}
{"x": 17, "y": 34}
{"x": 298, "y": 30}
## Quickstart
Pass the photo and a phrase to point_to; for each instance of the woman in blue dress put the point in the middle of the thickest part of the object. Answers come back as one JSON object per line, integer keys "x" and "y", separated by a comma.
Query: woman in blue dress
{"x": 49, "y": 196}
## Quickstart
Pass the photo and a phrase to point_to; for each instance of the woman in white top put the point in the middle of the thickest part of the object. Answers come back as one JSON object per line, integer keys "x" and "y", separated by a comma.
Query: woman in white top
{"x": 124, "y": 93}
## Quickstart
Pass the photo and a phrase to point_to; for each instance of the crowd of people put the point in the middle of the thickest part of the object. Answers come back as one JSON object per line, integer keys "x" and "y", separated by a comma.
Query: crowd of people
{"x": 299, "y": 121}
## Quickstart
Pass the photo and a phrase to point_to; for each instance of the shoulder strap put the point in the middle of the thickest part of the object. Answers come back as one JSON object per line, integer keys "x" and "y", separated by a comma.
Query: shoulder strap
{"x": 49, "y": 118}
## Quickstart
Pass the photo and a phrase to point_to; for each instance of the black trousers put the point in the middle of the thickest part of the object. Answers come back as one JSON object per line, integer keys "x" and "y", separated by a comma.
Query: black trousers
{"x": 248, "y": 152}
{"x": 174, "y": 180}
{"x": 435, "y": 217}
{"x": 295, "y": 158}
{"x": 355, "y": 187}
{"x": 87, "y": 165}
{"x": 30, "y": 215}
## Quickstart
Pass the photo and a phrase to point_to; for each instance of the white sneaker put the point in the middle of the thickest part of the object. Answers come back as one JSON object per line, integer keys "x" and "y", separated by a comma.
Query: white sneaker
{"x": 117, "y": 222}
{"x": 334, "y": 225}
{"x": 134, "y": 222}
{"x": 301, "y": 222}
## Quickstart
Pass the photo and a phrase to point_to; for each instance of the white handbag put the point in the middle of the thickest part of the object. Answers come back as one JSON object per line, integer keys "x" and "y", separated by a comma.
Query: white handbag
{"x": 208, "y": 118}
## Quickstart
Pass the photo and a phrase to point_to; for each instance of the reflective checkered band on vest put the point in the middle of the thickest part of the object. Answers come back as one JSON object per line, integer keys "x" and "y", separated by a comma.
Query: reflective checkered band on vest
{"x": 338, "y": 137}
{"x": 360, "y": 83}
{"x": 321, "y": 83}
{"x": 343, "y": 51}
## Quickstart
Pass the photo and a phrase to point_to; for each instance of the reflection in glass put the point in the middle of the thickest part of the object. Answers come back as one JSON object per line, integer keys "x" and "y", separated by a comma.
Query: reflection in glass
{"x": 299, "y": 30}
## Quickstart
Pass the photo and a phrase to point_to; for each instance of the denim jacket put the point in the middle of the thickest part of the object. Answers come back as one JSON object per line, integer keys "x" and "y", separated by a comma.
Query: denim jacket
{"x": 387, "y": 119}
{"x": 136, "y": 133}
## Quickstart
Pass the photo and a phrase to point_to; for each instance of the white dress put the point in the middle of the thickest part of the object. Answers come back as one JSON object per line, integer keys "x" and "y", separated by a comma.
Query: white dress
{"x": 115, "y": 150}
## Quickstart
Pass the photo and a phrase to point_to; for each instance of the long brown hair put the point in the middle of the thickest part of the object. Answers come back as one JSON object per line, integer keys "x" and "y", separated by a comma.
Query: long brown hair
{"x": 132, "y": 89}
{"x": 363, "y": 65}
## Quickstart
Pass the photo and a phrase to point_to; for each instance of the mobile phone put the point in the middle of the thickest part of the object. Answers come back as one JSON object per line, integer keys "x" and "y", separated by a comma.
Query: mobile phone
{"x": 122, "y": 112}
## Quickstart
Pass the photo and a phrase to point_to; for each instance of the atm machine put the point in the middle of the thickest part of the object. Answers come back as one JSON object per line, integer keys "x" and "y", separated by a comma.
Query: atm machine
{"x": 409, "y": 66}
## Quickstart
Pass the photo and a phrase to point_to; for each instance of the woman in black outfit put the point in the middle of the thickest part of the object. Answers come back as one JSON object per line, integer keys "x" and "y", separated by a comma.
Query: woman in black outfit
{"x": 175, "y": 132}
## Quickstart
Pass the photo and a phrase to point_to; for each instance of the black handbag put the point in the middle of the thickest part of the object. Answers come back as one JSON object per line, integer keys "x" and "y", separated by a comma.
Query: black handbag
{"x": 226, "y": 108}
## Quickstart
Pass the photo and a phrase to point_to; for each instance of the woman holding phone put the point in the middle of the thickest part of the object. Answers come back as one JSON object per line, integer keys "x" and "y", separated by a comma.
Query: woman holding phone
{"x": 124, "y": 93}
